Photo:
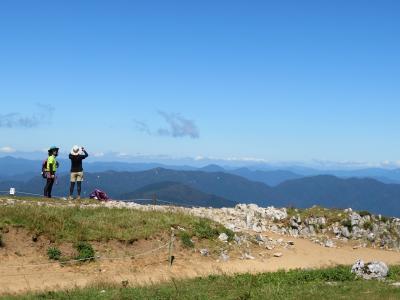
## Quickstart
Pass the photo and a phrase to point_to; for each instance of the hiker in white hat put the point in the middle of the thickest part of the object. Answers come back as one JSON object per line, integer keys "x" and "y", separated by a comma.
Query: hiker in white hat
{"x": 76, "y": 156}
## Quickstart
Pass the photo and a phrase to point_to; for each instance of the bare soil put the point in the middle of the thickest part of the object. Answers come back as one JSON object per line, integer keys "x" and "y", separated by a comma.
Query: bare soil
{"x": 24, "y": 265}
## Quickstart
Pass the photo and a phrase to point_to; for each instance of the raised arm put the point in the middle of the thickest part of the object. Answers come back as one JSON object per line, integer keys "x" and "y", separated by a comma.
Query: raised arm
{"x": 85, "y": 154}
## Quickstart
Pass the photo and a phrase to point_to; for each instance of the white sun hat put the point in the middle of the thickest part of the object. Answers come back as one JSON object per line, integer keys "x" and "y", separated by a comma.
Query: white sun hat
{"x": 75, "y": 150}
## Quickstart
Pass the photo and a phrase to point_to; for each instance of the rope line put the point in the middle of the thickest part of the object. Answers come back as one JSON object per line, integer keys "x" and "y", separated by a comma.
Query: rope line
{"x": 29, "y": 194}
{"x": 42, "y": 273}
{"x": 127, "y": 200}
{"x": 85, "y": 259}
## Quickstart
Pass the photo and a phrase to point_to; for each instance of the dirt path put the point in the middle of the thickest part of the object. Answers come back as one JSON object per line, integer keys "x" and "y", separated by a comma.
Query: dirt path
{"x": 154, "y": 268}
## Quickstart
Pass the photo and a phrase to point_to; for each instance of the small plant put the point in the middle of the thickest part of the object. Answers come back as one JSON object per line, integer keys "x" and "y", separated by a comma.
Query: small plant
{"x": 347, "y": 223}
{"x": 368, "y": 225}
{"x": 85, "y": 251}
{"x": 1, "y": 241}
{"x": 364, "y": 213}
{"x": 54, "y": 253}
{"x": 203, "y": 230}
{"x": 186, "y": 240}
{"x": 384, "y": 219}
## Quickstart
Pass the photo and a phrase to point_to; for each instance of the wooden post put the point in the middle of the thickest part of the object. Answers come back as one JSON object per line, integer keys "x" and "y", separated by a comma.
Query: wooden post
{"x": 154, "y": 199}
{"x": 171, "y": 248}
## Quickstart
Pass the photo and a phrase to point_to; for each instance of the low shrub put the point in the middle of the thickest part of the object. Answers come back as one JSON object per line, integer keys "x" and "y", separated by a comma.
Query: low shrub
{"x": 54, "y": 253}
{"x": 368, "y": 225}
{"x": 85, "y": 251}
{"x": 1, "y": 241}
{"x": 384, "y": 219}
{"x": 186, "y": 239}
{"x": 347, "y": 223}
{"x": 204, "y": 230}
{"x": 364, "y": 213}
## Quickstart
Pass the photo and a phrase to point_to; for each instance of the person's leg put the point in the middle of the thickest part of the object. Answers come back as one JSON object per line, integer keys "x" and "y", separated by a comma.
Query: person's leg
{"x": 79, "y": 188}
{"x": 46, "y": 188}
{"x": 72, "y": 185}
{"x": 71, "y": 189}
{"x": 79, "y": 178}
{"x": 50, "y": 186}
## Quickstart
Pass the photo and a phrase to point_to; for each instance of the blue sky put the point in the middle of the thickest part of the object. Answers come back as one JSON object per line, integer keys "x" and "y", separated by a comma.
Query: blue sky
{"x": 271, "y": 80}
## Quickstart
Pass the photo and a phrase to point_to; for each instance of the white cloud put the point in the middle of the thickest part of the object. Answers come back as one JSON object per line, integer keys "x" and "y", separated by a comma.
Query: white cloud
{"x": 99, "y": 154}
{"x": 7, "y": 149}
{"x": 122, "y": 154}
{"x": 178, "y": 125}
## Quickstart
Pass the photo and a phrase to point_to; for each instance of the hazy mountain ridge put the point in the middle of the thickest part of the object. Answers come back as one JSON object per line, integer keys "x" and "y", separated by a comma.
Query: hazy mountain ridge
{"x": 178, "y": 193}
{"x": 324, "y": 190}
{"x": 21, "y": 169}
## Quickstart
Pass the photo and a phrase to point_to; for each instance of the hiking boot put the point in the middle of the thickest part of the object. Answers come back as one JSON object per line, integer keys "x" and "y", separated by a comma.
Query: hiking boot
{"x": 70, "y": 198}
{"x": 78, "y": 198}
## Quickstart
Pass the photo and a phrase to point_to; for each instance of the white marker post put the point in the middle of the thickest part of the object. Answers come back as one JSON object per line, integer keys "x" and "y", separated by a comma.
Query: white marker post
{"x": 12, "y": 191}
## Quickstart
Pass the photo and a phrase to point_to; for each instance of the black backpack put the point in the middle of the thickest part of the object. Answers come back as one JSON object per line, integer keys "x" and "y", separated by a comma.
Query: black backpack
{"x": 44, "y": 167}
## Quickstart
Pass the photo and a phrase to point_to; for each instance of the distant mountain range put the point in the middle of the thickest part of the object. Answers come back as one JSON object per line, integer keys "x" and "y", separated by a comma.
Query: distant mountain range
{"x": 20, "y": 169}
{"x": 223, "y": 189}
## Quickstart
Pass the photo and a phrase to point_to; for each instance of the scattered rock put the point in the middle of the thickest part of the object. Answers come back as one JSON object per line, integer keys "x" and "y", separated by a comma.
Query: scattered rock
{"x": 396, "y": 284}
{"x": 345, "y": 232}
{"x": 329, "y": 244}
{"x": 294, "y": 223}
{"x": 291, "y": 243}
{"x": 278, "y": 254}
{"x": 260, "y": 239}
{"x": 224, "y": 257}
{"x": 371, "y": 270}
{"x": 371, "y": 237}
{"x": 239, "y": 239}
{"x": 204, "y": 252}
{"x": 355, "y": 219}
{"x": 223, "y": 237}
{"x": 247, "y": 256}
{"x": 294, "y": 232}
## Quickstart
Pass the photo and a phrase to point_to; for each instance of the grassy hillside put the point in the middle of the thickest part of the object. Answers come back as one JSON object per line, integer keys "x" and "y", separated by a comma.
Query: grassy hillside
{"x": 333, "y": 283}
{"x": 73, "y": 223}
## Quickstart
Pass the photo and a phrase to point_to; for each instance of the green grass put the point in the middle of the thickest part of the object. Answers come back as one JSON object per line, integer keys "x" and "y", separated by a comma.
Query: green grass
{"x": 74, "y": 224}
{"x": 368, "y": 225}
{"x": 54, "y": 253}
{"x": 186, "y": 239}
{"x": 332, "y": 215}
{"x": 85, "y": 251}
{"x": 332, "y": 283}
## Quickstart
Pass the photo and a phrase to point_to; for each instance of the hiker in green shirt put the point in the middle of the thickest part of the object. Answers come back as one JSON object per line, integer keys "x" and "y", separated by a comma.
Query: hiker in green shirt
{"x": 50, "y": 171}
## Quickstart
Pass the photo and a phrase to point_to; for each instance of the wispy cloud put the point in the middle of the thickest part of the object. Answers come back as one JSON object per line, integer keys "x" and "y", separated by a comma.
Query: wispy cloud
{"x": 98, "y": 154}
{"x": 142, "y": 126}
{"x": 178, "y": 126}
{"x": 43, "y": 115}
{"x": 7, "y": 149}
